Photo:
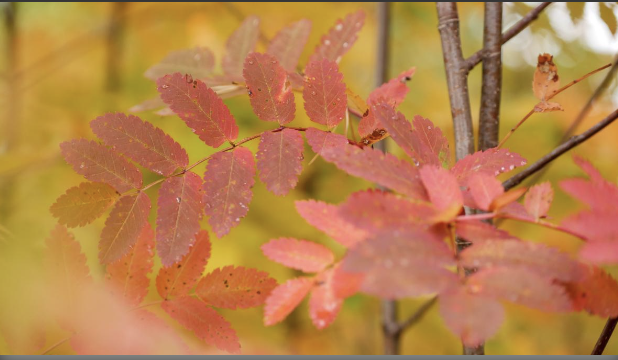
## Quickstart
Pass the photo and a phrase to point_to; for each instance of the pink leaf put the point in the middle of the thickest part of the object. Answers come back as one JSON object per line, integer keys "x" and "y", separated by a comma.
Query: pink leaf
{"x": 521, "y": 286}
{"x": 325, "y": 143}
{"x": 227, "y": 188}
{"x": 270, "y": 99}
{"x": 284, "y": 298}
{"x": 597, "y": 193}
{"x": 491, "y": 162}
{"x": 340, "y": 38}
{"x": 204, "y": 322}
{"x": 178, "y": 217}
{"x": 98, "y": 163}
{"x": 394, "y": 91}
{"x": 594, "y": 225}
{"x": 484, "y": 189}
{"x": 198, "y": 62}
{"x": 82, "y": 204}
{"x": 128, "y": 277}
{"x": 232, "y": 288}
{"x": 477, "y": 231}
{"x": 279, "y": 160}
{"x": 369, "y": 125}
{"x": 344, "y": 283}
{"x": 141, "y": 142}
{"x": 326, "y": 218}
{"x": 123, "y": 226}
{"x": 597, "y": 293}
{"x": 538, "y": 200}
{"x": 178, "y": 279}
{"x": 324, "y": 93}
{"x": 588, "y": 168}
{"x": 474, "y": 318}
{"x": 289, "y": 42}
{"x": 239, "y": 45}
{"x": 540, "y": 258}
{"x": 200, "y": 108}
{"x": 600, "y": 252}
{"x": 324, "y": 305}
{"x": 302, "y": 255}
{"x": 443, "y": 189}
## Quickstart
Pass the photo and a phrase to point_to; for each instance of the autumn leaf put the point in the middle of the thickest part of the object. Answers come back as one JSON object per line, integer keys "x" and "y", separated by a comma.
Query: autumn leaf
{"x": 227, "y": 188}
{"x": 285, "y": 298}
{"x": 324, "y": 304}
{"x": 327, "y": 219}
{"x": 484, "y": 189}
{"x": 478, "y": 231}
{"x": 178, "y": 279}
{"x": 235, "y": 287}
{"x": 141, "y": 142}
{"x": 546, "y": 80}
{"x": 289, "y": 42}
{"x": 198, "y": 61}
{"x": 200, "y": 108}
{"x": 204, "y": 322}
{"x": 443, "y": 190}
{"x": 239, "y": 45}
{"x": 491, "y": 161}
{"x": 279, "y": 160}
{"x": 128, "y": 277}
{"x": 548, "y": 107}
{"x": 324, "y": 93}
{"x": 178, "y": 217}
{"x": 100, "y": 164}
{"x": 503, "y": 200}
{"x": 270, "y": 98}
{"x": 297, "y": 254}
{"x": 325, "y": 143}
{"x": 538, "y": 200}
{"x": 82, "y": 204}
{"x": 345, "y": 284}
{"x": 339, "y": 38}
{"x": 596, "y": 293}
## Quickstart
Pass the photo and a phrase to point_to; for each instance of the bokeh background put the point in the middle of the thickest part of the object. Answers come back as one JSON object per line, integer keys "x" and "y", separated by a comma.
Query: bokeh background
{"x": 63, "y": 64}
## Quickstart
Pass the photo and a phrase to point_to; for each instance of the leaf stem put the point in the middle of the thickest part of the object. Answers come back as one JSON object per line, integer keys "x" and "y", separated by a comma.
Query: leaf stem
{"x": 51, "y": 348}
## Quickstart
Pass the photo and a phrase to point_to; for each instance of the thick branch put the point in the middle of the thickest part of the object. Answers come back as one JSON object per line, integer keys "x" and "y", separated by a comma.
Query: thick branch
{"x": 606, "y": 334}
{"x": 489, "y": 118}
{"x": 477, "y": 57}
{"x": 566, "y": 146}
{"x": 456, "y": 78}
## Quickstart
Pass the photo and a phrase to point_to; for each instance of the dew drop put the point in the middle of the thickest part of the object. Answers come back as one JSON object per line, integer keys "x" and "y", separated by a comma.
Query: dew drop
{"x": 178, "y": 200}
{"x": 508, "y": 153}
{"x": 313, "y": 93}
{"x": 164, "y": 86}
{"x": 81, "y": 166}
{"x": 523, "y": 163}
{"x": 339, "y": 27}
{"x": 250, "y": 62}
{"x": 497, "y": 173}
{"x": 326, "y": 42}
{"x": 502, "y": 168}
{"x": 511, "y": 167}
{"x": 345, "y": 45}
{"x": 428, "y": 127}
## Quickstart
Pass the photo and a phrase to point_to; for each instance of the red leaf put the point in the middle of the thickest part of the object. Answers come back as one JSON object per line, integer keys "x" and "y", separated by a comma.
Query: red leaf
{"x": 289, "y": 42}
{"x": 324, "y": 93}
{"x": 141, "y": 142}
{"x": 178, "y": 279}
{"x": 538, "y": 200}
{"x": 600, "y": 252}
{"x": 340, "y": 38}
{"x": 443, "y": 190}
{"x": 204, "y": 322}
{"x": 369, "y": 125}
{"x": 200, "y": 108}
{"x": 540, "y": 258}
{"x": 477, "y": 231}
{"x": 284, "y": 298}
{"x": 198, "y": 62}
{"x": 239, "y": 45}
{"x": 232, "y": 288}
{"x": 514, "y": 210}
{"x": 123, "y": 226}
{"x": 484, "y": 189}
{"x": 595, "y": 225}
{"x": 98, "y": 163}
{"x": 520, "y": 286}
{"x": 375, "y": 210}
{"x": 324, "y": 305}
{"x": 227, "y": 188}
{"x": 491, "y": 162}
{"x": 128, "y": 277}
{"x": 474, "y": 318}
{"x": 345, "y": 284}
{"x": 326, "y": 218}
{"x": 279, "y": 160}
{"x": 596, "y": 293}
{"x": 394, "y": 91}
{"x": 597, "y": 193}
{"x": 270, "y": 98}
{"x": 589, "y": 169}
{"x": 325, "y": 143}
{"x": 82, "y": 204}
{"x": 302, "y": 255}
{"x": 178, "y": 217}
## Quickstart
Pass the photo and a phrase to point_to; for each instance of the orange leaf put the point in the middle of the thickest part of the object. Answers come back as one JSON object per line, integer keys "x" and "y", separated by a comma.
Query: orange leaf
{"x": 303, "y": 255}
{"x": 284, "y": 298}
{"x": 506, "y": 198}
{"x": 546, "y": 80}
{"x": 82, "y": 204}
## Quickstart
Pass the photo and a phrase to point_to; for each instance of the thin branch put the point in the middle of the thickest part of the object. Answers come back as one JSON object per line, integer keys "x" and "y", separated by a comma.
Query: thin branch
{"x": 489, "y": 118}
{"x": 477, "y": 57}
{"x": 418, "y": 315}
{"x": 51, "y": 348}
{"x": 606, "y": 334}
{"x": 566, "y": 146}
{"x": 456, "y": 78}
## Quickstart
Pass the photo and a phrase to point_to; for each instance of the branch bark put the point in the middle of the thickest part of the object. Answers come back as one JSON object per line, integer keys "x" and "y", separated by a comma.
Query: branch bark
{"x": 489, "y": 117}
{"x": 456, "y": 78}
{"x": 606, "y": 334}
{"x": 566, "y": 146}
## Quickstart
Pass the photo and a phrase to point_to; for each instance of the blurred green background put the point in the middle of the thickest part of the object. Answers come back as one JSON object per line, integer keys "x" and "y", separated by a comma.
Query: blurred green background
{"x": 60, "y": 68}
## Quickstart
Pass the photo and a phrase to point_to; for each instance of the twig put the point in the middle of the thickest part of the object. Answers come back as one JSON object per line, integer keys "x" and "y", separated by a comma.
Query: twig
{"x": 489, "y": 118}
{"x": 554, "y": 94}
{"x": 564, "y": 147}
{"x": 418, "y": 315}
{"x": 477, "y": 57}
{"x": 606, "y": 334}
{"x": 56, "y": 345}
{"x": 456, "y": 78}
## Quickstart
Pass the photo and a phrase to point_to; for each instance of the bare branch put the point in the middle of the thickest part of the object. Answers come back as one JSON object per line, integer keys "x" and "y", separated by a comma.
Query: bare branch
{"x": 606, "y": 334}
{"x": 418, "y": 315}
{"x": 456, "y": 78}
{"x": 489, "y": 118}
{"x": 566, "y": 146}
{"x": 477, "y": 57}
